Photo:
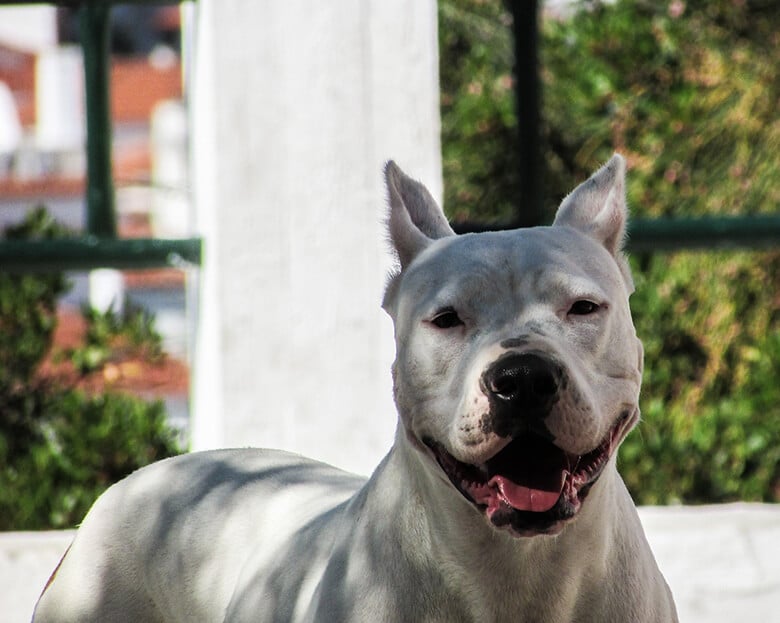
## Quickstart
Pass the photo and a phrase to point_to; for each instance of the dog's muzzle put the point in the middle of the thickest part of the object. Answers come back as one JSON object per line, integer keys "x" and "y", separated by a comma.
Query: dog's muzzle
{"x": 531, "y": 486}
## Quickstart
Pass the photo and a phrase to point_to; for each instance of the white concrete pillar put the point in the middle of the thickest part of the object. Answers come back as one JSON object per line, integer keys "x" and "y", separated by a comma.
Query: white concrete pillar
{"x": 59, "y": 102}
{"x": 296, "y": 106}
{"x": 29, "y": 28}
{"x": 106, "y": 290}
{"x": 170, "y": 180}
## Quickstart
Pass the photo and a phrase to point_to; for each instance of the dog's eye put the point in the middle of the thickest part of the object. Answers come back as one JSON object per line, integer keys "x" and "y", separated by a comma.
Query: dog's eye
{"x": 583, "y": 308}
{"x": 446, "y": 318}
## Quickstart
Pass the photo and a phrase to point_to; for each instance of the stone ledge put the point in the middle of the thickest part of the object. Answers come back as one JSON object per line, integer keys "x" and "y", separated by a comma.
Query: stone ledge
{"x": 721, "y": 561}
{"x": 26, "y": 562}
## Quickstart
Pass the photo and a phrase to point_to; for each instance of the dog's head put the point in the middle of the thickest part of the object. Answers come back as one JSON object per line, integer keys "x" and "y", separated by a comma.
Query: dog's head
{"x": 517, "y": 365}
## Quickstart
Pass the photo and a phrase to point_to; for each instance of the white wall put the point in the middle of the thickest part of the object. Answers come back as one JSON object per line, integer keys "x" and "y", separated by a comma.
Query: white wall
{"x": 720, "y": 561}
{"x": 296, "y": 105}
{"x": 29, "y": 28}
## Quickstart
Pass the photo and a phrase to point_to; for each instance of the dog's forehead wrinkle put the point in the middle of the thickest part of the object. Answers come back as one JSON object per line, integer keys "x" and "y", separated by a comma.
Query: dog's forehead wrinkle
{"x": 531, "y": 271}
{"x": 599, "y": 259}
{"x": 561, "y": 285}
{"x": 514, "y": 250}
{"x": 431, "y": 288}
{"x": 544, "y": 263}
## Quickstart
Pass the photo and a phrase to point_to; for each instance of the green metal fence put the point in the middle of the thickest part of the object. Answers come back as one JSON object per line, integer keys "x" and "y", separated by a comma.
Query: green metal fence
{"x": 645, "y": 235}
{"x": 761, "y": 231}
{"x": 704, "y": 233}
{"x": 99, "y": 247}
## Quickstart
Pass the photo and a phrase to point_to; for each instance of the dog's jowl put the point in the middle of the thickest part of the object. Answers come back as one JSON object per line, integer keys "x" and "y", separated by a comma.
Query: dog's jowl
{"x": 516, "y": 378}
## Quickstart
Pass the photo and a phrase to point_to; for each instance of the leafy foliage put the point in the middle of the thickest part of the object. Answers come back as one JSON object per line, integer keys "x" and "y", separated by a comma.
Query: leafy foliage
{"x": 688, "y": 95}
{"x": 27, "y": 310}
{"x": 112, "y": 335}
{"x": 73, "y": 447}
{"x": 478, "y": 123}
{"x": 710, "y": 400}
{"x": 60, "y": 447}
{"x": 687, "y": 91}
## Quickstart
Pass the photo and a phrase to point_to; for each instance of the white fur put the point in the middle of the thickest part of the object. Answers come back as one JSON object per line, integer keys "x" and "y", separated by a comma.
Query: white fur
{"x": 254, "y": 535}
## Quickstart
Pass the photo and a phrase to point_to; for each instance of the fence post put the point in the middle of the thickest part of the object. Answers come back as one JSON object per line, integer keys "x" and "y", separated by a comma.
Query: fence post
{"x": 94, "y": 24}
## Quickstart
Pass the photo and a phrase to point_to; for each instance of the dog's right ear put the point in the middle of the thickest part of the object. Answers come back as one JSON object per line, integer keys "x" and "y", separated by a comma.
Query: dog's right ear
{"x": 415, "y": 219}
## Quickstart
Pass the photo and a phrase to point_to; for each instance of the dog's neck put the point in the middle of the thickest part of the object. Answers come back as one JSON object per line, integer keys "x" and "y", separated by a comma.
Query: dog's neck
{"x": 545, "y": 575}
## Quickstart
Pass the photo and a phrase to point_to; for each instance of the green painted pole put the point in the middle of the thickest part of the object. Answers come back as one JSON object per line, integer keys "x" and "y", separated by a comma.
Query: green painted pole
{"x": 94, "y": 23}
{"x": 525, "y": 15}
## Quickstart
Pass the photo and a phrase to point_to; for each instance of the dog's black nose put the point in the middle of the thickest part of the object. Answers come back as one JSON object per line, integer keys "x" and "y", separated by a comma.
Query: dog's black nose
{"x": 523, "y": 382}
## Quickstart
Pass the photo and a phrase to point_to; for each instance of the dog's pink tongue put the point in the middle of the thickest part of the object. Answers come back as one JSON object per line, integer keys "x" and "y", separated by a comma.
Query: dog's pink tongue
{"x": 528, "y": 475}
{"x": 524, "y": 498}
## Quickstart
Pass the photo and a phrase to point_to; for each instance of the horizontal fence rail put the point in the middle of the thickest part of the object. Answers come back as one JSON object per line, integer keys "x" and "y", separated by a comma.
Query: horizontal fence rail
{"x": 704, "y": 233}
{"x": 760, "y": 231}
{"x": 98, "y": 247}
{"x": 81, "y": 254}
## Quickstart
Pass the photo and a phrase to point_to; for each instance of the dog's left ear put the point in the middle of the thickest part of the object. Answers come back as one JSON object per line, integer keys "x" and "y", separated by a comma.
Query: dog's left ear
{"x": 597, "y": 207}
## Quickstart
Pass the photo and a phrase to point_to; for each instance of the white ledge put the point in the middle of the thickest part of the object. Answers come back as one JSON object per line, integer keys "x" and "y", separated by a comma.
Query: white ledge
{"x": 721, "y": 561}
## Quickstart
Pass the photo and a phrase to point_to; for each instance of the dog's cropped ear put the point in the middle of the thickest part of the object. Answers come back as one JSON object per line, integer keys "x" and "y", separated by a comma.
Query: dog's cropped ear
{"x": 415, "y": 219}
{"x": 597, "y": 207}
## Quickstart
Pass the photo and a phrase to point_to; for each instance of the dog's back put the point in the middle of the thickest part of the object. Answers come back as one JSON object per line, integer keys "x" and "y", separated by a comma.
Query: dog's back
{"x": 182, "y": 529}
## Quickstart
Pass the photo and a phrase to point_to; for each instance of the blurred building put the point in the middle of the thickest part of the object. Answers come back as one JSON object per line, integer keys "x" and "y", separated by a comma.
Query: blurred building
{"x": 43, "y": 160}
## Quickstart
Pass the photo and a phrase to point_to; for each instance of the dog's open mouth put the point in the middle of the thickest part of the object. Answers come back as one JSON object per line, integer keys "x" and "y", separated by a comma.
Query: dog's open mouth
{"x": 532, "y": 485}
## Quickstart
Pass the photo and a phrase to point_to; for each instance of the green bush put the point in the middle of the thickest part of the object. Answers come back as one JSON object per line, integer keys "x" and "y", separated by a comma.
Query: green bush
{"x": 112, "y": 335}
{"x": 478, "y": 125}
{"x": 60, "y": 447}
{"x": 711, "y": 399}
{"x": 73, "y": 447}
{"x": 690, "y": 99}
{"x": 28, "y": 307}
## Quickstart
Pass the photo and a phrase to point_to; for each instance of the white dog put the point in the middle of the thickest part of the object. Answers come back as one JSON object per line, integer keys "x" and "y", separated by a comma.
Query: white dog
{"x": 517, "y": 376}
